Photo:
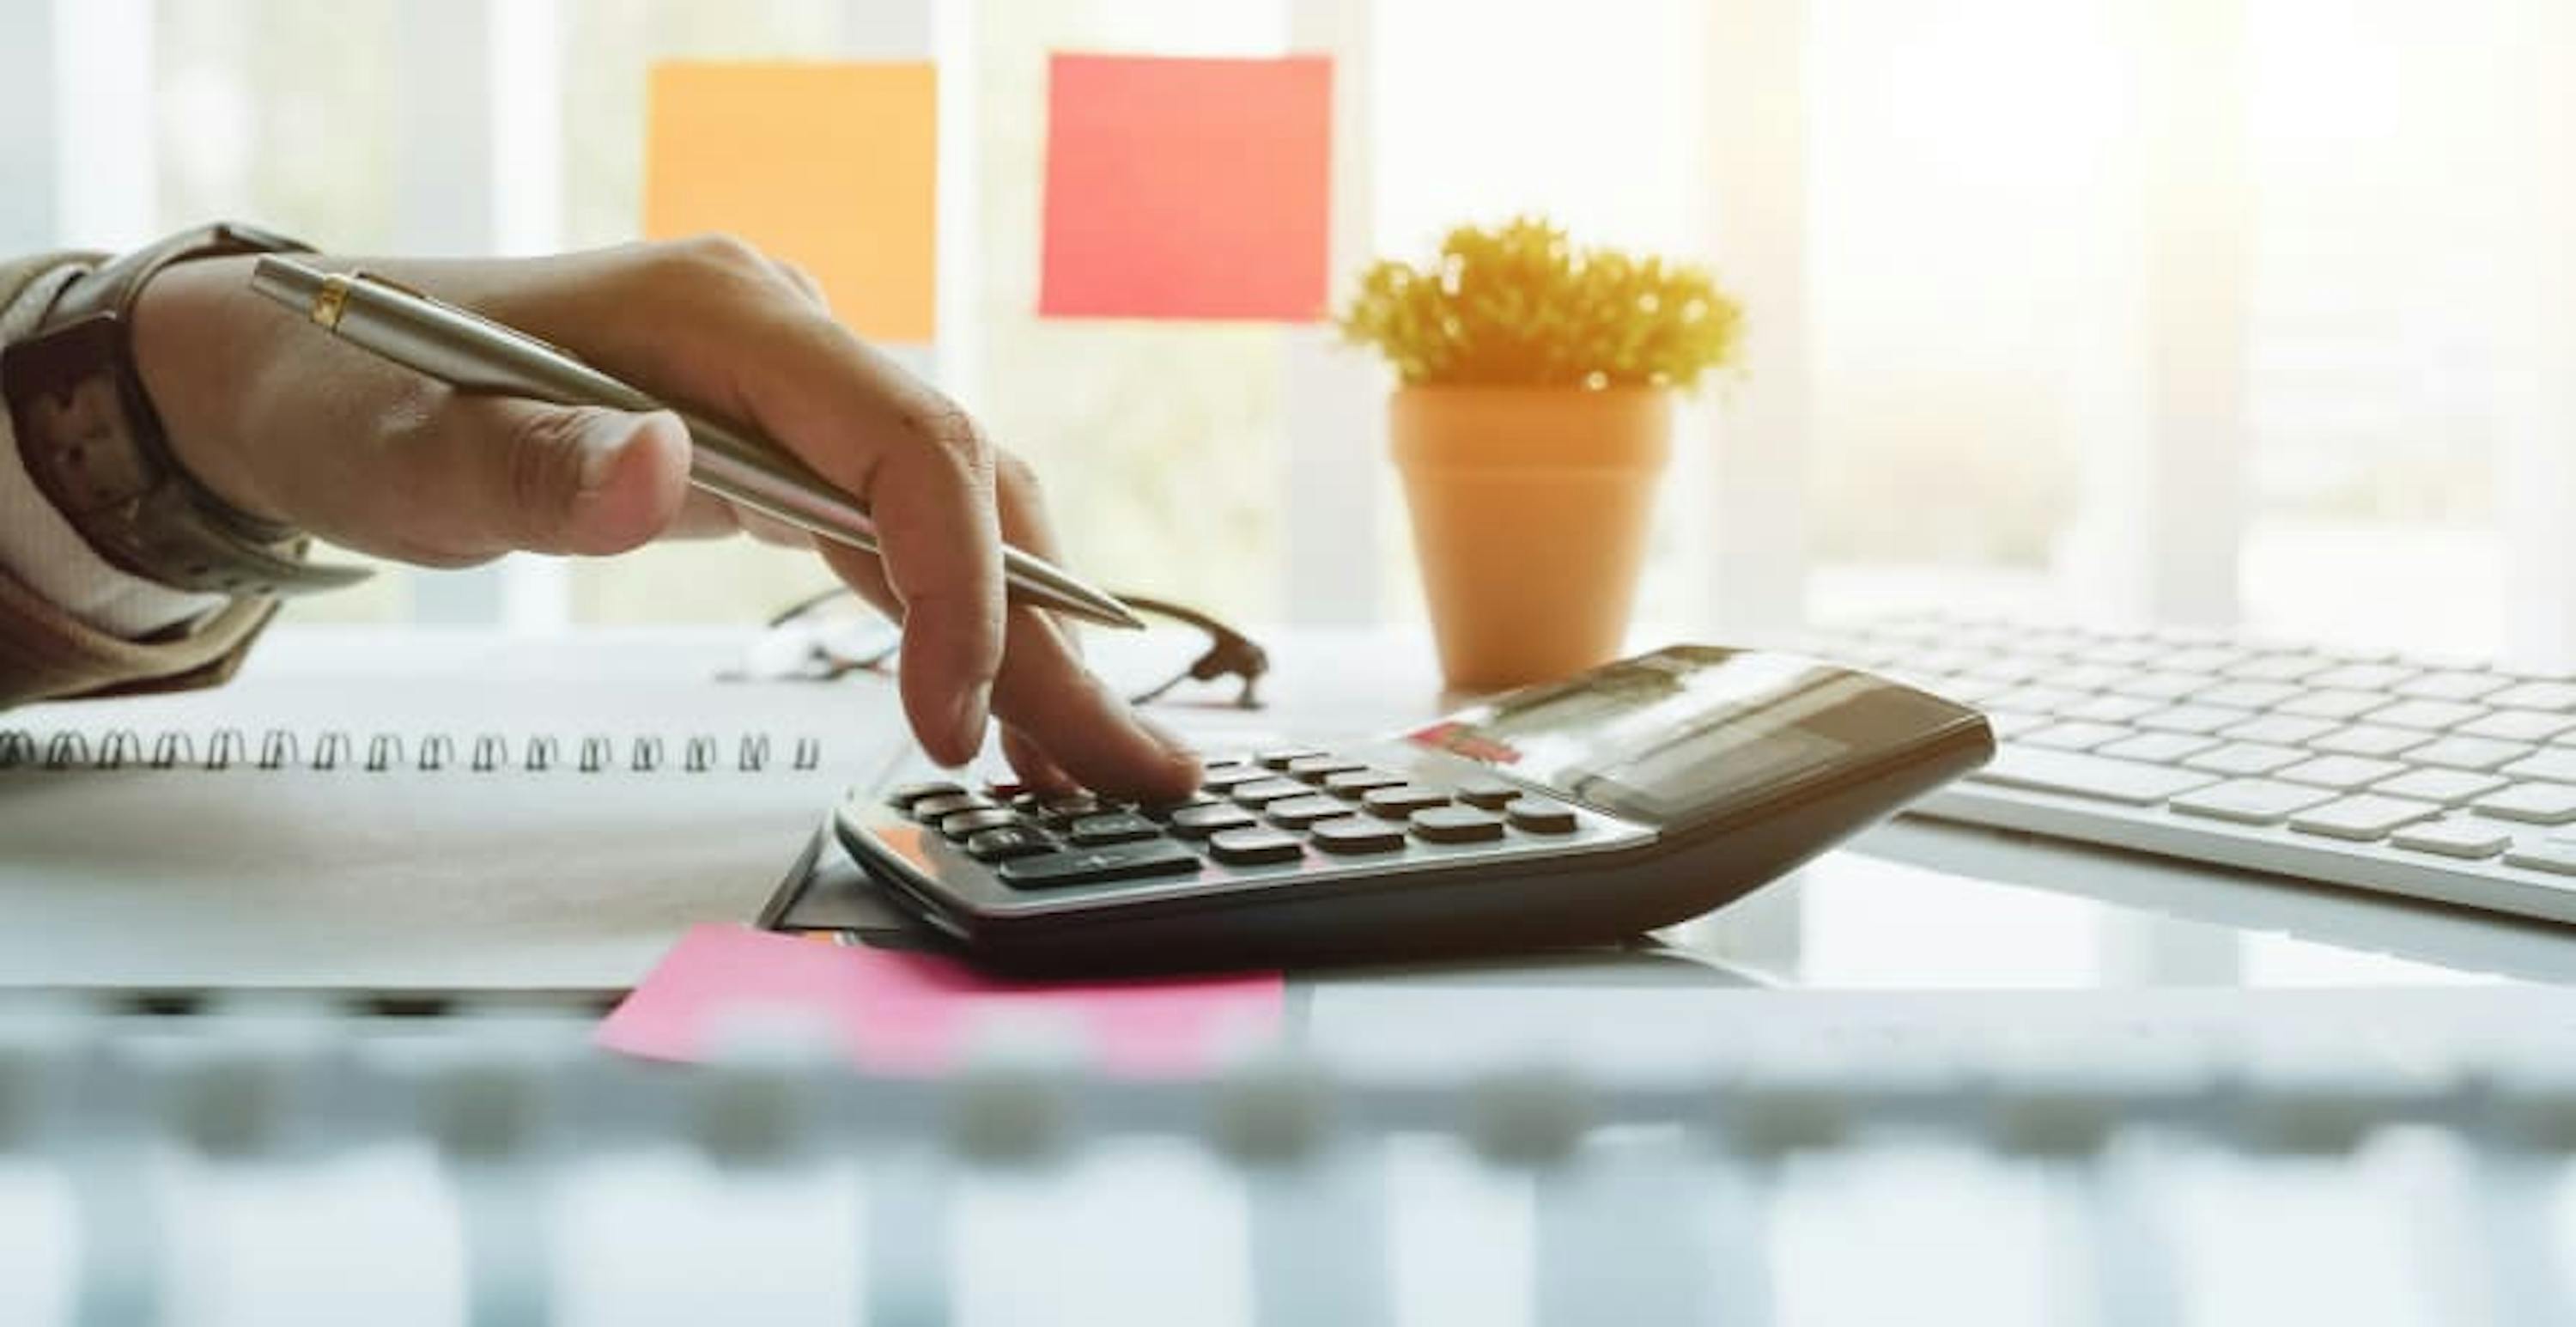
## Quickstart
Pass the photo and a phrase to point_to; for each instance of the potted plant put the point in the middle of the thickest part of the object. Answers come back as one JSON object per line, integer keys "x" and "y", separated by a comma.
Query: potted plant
{"x": 1532, "y": 420}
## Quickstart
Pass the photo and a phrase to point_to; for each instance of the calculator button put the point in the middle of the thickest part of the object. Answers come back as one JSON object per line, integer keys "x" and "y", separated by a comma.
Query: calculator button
{"x": 1262, "y": 794}
{"x": 1086, "y": 866}
{"x": 1286, "y": 756}
{"x": 1200, "y": 821}
{"x": 1538, "y": 815}
{"x": 931, "y": 810}
{"x": 1232, "y": 776}
{"x": 1316, "y": 769}
{"x": 1254, "y": 847}
{"x": 1071, "y": 804}
{"x": 1361, "y": 782}
{"x": 1001, "y": 845}
{"x": 1115, "y": 827}
{"x": 1398, "y": 802}
{"x": 1490, "y": 794}
{"x": 1356, "y": 834}
{"x": 967, "y": 824}
{"x": 1166, "y": 810}
{"x": 1299, "y": 812}
{"x": 903, "y": 797}
{"x": 1456, "y": 824}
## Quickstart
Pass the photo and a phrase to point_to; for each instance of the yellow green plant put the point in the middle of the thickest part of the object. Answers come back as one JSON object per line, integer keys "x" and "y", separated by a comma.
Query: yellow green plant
{"x": 1519, "y": 304}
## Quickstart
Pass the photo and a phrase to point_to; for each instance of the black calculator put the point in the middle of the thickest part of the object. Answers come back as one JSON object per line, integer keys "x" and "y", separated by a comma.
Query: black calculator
{"x": 1586, "y": 811}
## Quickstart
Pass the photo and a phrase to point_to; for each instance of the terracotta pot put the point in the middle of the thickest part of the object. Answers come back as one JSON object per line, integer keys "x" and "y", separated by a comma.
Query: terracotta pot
{"x": 1530, "y": 507}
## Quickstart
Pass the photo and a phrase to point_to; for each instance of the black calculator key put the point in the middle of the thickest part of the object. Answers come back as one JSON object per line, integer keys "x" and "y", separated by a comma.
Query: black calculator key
{"x": 903, "y": 797}
{"x": 1091, "y": 866}
{"x": 1071, "y": 804}
{"x": 1254, "y": 847}
{"x": 1538, "y": 815}
{"x": 1200, "y": 821}
{"x": 1115, "y": 827}
{"x": 1491, "y": 794}
{"x": 1232, "y": 776}
{"x": 1403, "y": 800}
{"x": 1359, "y": 782}
{"x": 966, "y": 824}
{"x": 1286, "y": 756}
{"x": 1456, "y": 824}
{"x": 1166, "y": 810}
{"x": 1299, "y": 812}
{"x": 1356, "y": 834}
{"x": 1003, "y": 790}
{"x": 1001, "y": 845}
{"x": 932, "y": 810}
{"x": 1316, "y": 769}
{"x": 1269, "y": 790}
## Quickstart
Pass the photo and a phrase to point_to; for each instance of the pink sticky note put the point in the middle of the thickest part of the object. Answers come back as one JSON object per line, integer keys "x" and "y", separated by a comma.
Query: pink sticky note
{"x": 1187, "y": 188}
{"x": 916, "y": 1013}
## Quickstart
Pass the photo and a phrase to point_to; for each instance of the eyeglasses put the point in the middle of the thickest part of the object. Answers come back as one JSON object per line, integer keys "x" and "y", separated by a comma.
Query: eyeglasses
{"x": 832, "y": 634}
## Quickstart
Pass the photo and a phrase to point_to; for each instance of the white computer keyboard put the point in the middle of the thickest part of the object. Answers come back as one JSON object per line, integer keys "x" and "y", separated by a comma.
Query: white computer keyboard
{"x": 2432, "y": 779}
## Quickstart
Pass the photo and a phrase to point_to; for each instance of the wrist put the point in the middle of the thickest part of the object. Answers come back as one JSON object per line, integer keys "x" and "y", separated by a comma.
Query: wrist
{"x": 198, "y": 338}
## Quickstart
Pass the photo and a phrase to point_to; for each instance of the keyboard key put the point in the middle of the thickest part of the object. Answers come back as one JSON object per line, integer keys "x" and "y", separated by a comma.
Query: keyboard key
{"x": 2334, "y": 703}
{"x": 2076, "y": 736}
{"x": 1487, "y": 793}
{"x": 2086, "y": 676}
{"x": 2361, "y": 677}
{"x": 1115, "y": 827}
{"x": 2250, "y": 801}
{"x": 931, "y": 810}
{"x": 2163, "y": 686}
{"x": 967, "y": 824}
{"x": 1456, "y": 824}
{"x": 1403, "y": 800}
{"x": 2193, "y": 718}
{"x": 2531, "y": 803}
{"x": 1255, "y": 847}
{"x": 1282, "y": 757}
{"x": 2097, "y": 777}
{"x": 2433, "y": 714}
{"x": 1001, "y": 845}
{"x": 1354, "y": 835}
{"x": 903, "y": 797}
{"x": 1299, "y": 812}
{"x": 2559, "y": 697}
{"x": 2010, "y": 724}
{"x": 2279, "y": 730}
{"x": 1258, "y": 795}
{"x": 2158, "y": 748}
{"x": 2478, "y": 753}
{"x": 1068, "y": 807}
{"x": 2038, "y": 699}
{"x": 2452, "y": 685}
{"x": 2364, "y": 818}
{"x": 2557, "y": 764}
{"x": 2369, "y": 739}
{"x": 2279, "y": 668}
{"x": 2448, "y": 786}
{"x": 2343, "y": 773}
{"x": 1164, "y": 811}
{"x": 1233, "y": 776}
{"x": 2203, "y": 659}
{"x": 1360, "y": 782}
{"x": 1200, "y": 821}
{"x": 1539, "y": 815}
{"x": 2556, "y": 855}
{"x": 2242, "y": 758}
{"x": 2247, "y": 695}
{"x": 1092, "y": 866}
{"x": 1316, "y": 769}
{"x": 2518, "y": 725}
{"x": 2109, "y": 709}
{"x": 2456, "y": 837}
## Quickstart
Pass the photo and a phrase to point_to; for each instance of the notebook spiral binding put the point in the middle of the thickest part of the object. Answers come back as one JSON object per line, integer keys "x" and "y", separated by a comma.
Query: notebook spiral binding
{"x": 381, "y": 752}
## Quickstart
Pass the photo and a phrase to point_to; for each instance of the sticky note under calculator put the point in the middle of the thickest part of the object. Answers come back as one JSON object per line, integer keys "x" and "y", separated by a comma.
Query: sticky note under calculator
{"x": 1187, "y": 188}
{"x": 831, "y": 166}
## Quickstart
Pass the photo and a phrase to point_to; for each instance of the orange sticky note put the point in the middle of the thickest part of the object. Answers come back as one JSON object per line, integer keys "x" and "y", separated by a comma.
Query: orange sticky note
{"x": 1187, "y": 188}
{"x": 832, "y": 167}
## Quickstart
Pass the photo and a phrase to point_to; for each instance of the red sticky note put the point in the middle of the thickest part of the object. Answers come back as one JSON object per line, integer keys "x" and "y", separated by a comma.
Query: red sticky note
{"x": 905, "y": 1013}
{"x": 1192, "y": 188}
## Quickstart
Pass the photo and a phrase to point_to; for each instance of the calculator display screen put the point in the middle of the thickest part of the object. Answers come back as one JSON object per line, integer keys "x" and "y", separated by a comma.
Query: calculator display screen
{"x": 1665, "y": 736}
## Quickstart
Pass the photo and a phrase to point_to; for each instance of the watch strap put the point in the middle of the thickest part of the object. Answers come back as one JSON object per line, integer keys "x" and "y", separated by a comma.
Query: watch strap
{"x": 94, "y": 446}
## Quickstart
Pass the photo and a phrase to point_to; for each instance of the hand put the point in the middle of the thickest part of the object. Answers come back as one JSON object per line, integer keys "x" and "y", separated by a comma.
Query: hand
{"x": 287, "y": 423}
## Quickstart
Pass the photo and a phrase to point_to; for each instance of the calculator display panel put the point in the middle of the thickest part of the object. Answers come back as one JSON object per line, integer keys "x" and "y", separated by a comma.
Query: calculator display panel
{"x": 1672, "y": 735}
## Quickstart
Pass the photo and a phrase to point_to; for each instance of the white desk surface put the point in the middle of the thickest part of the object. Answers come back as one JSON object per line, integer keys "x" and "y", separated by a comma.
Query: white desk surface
{"x": 1910, "y": 905}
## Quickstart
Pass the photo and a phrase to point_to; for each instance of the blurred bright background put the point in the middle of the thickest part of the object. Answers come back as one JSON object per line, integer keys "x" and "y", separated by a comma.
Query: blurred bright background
{"x": 2001, "y": 215}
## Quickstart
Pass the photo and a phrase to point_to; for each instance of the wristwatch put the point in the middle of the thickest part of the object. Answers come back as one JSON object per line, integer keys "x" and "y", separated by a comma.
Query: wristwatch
{"x": 95, "y": 447}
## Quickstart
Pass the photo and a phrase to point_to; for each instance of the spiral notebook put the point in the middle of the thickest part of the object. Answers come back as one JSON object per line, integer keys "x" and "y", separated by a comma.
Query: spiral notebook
{"x": 409, "y": 835}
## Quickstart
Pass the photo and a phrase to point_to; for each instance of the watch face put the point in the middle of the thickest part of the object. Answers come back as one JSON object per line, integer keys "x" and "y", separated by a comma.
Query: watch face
{"x": 1685, "y": 732}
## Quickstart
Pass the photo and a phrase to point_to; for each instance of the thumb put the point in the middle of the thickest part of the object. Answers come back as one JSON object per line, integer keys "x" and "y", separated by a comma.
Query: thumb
{"x": 579, "y": 479}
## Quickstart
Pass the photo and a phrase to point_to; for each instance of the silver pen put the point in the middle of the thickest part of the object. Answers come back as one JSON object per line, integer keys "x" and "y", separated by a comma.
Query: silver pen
{"x": 475, "y": 354}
